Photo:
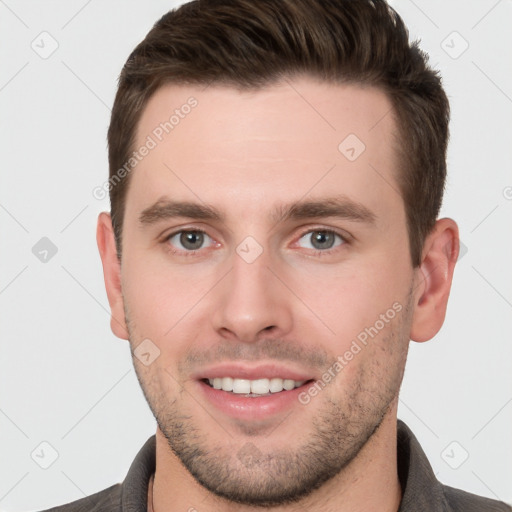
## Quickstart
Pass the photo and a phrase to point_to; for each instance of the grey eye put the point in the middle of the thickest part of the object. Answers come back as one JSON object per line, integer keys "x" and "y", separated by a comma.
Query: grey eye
{"x": 320, "y": 240}
{"x": 190, "y": 240}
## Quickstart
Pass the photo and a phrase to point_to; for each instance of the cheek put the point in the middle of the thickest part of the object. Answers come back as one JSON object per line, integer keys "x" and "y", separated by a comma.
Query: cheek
{"x": 370, "y": 350}
{"x": 162, "y": 298}
{"x": 349, "y": 298}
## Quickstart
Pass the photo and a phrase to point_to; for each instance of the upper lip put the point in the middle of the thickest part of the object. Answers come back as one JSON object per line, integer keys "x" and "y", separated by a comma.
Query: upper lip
{"x": 240, "y": 370}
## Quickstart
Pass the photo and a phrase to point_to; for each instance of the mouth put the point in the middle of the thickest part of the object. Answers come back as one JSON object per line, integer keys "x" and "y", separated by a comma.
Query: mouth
{"x": 253, "y": 394}
{"x": 254, "y": 388}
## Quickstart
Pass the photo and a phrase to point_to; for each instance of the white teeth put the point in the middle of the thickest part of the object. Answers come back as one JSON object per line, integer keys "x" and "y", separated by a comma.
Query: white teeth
{"x": 276, "y": 385}
{"x": 288, "y": 384}
{"x": 227, "y": 384}
{"x": 260, "y": 386}
{"x": 241, "y": 386}
{"x": 257, "y": 386}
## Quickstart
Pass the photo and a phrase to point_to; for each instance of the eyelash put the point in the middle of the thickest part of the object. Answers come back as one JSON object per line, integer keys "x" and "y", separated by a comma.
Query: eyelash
{"x": 317, "y": 252}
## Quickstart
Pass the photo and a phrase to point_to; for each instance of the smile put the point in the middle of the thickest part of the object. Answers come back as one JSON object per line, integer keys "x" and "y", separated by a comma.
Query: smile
{"x": 256, "y": 387}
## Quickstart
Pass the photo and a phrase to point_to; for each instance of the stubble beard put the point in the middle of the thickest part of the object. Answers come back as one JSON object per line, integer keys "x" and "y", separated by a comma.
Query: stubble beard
{"x": 248, "y": 474}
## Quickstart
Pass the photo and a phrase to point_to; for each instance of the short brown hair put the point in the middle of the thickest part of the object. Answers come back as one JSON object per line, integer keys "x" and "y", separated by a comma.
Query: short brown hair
{"x": 248, "y": 44}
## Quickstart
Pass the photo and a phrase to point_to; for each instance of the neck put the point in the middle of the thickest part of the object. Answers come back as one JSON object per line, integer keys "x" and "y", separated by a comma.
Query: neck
{"x": 369, "y": 482}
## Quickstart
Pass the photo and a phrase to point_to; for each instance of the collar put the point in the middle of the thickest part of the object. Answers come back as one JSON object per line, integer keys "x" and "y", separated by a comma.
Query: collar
{"x": 421, "y": 491}
{"x": 134, "y": 493}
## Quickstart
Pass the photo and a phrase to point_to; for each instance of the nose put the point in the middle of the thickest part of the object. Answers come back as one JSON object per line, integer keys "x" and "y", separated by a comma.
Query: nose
{"x": 251, "y": 302}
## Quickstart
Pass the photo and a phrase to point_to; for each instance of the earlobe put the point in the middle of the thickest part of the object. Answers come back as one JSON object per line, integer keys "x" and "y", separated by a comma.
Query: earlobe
{"x": 112, "y": 274}
{"x": 434, "y": 279}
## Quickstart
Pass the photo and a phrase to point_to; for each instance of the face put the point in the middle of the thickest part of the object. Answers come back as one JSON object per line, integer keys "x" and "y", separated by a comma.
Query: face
{"x": 266, "y": 260}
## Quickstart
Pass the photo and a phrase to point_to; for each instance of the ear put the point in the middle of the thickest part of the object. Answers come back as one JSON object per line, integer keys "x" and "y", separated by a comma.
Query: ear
{"x": 112, "y": 274}
{"x": 434, "y": 279}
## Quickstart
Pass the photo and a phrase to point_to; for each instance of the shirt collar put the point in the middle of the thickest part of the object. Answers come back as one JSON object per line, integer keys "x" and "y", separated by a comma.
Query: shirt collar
{"x": 134, "y": 495}
{"x": 421, "y": 491}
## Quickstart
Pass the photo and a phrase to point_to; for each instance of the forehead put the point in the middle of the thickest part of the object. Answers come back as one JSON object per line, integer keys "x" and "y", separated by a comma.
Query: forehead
{"x": 248, "y": 148}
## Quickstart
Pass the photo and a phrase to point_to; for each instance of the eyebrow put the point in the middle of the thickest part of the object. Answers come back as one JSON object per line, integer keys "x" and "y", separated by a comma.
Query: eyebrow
{"x": 340, "y": 207}
{"x": 165, "y": 209}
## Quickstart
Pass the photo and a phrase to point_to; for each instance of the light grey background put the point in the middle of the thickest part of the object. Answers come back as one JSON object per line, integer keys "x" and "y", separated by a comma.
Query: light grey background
{"x": 67, "y": 381}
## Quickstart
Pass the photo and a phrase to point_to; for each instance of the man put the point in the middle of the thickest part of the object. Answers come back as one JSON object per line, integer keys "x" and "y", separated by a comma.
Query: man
{"x": 276, "y": 172}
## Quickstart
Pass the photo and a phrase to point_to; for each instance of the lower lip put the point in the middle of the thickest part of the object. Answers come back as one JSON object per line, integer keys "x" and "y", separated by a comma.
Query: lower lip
{"x": 256, "y": 408}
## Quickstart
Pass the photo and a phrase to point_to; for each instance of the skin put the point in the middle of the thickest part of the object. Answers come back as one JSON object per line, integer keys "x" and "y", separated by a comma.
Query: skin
{"x": 249, "y": 155}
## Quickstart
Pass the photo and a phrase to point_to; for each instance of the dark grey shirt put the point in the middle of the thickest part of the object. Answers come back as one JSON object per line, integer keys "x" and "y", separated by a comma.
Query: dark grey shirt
{"x": 421, "y": 491}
